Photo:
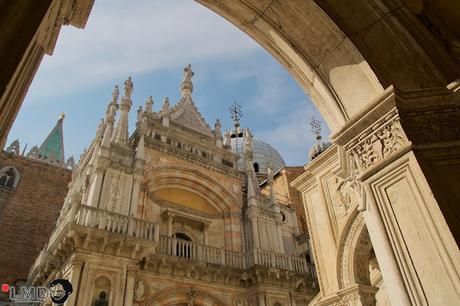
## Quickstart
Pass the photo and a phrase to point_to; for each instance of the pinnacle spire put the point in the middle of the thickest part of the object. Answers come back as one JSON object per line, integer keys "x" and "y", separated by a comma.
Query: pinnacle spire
{"x": 52, "y": 149}
{"x": 110, "y": 118}
{"x": 186, "y": 87}
{"x": 270, "y": 181}
{"x": 121, "y": 130}
{"x": 149, "y": 105}
{"x": 252, "y": 185}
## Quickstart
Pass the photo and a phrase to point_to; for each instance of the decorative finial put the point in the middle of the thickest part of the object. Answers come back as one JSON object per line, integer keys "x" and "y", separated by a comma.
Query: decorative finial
{"x": 139, "y": 114}
{"x": 236, "y": 113}
{"x": 149, "y": 104}
{"x": 315, "y": 127}
{"x": 217, "y": 128}
{"x": 115, "y": 94}
{"x": 62, "y": 116}
{"x": 166, "y": 105}
{"x": 186, "y": 87}
{"x": 128, "y": 88}
{"x": 188, "y": 73}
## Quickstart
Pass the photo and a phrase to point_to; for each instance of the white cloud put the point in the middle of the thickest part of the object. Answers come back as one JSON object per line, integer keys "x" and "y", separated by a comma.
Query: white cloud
{"x": 123, "y": 37}
{"x": 291, "y": 135}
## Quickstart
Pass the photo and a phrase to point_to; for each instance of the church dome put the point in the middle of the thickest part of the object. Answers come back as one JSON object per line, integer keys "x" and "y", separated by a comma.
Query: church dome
{"x": 264, "y": 155}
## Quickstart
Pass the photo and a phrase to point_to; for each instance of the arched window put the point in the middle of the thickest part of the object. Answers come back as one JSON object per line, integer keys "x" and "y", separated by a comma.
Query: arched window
{"x": 256, "y": 167}
{"x": 9, "y": 177}
{"x": 101, "y": 291}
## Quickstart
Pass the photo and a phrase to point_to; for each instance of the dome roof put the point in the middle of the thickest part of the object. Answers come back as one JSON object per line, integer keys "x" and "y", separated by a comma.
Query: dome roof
{"x": 264, "y": 155}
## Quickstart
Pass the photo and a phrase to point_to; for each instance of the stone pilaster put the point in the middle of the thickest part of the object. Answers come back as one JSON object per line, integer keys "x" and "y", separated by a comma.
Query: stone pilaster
{"x": 402, "y": 153}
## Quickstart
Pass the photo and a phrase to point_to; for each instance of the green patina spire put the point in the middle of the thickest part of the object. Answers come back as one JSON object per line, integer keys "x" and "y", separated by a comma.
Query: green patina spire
{"x": 52, "y": 149}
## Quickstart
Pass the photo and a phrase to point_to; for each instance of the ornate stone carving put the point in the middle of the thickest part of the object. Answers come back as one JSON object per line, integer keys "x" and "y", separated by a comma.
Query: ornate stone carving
{"x": 377, "y": 142}
{"x": 346, "y": 248}
{"x": 347, "y": 193}
{"x": 139, "y": 291}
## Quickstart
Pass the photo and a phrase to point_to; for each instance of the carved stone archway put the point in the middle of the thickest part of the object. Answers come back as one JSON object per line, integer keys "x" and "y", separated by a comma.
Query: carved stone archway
{"x": 354, "y": 254}
{"x": 174, "y": 296}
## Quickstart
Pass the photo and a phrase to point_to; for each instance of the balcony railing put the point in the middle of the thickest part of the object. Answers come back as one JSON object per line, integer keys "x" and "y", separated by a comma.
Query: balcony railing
{"x": 111, "y": 222}
{"x": 114, "y": 223}
{"x": 177, "y": 247}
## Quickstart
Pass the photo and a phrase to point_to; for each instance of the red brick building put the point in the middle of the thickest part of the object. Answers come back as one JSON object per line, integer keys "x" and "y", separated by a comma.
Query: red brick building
{"x": 32, "y": 190}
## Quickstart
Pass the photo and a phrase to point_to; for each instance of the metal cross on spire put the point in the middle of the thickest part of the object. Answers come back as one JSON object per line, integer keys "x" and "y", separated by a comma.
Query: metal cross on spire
{"x": 235, "y": 112}
{"x": 315, "y": 127}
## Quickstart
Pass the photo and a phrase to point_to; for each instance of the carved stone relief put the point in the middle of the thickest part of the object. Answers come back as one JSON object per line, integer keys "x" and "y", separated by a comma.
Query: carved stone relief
{"x": 376, "y": 143}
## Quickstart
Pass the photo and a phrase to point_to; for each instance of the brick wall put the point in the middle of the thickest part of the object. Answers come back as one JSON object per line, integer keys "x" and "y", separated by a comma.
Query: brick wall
{"x": 28, "y": 213}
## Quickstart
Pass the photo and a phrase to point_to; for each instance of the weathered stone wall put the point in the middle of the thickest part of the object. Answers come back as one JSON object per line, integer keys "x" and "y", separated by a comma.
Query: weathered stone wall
{"x": 28, "y": 212}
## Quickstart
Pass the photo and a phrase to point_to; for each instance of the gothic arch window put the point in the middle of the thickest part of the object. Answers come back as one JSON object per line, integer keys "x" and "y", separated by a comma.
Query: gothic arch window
{"x": 256, "y": 167}
{"x": 9, "y": 177}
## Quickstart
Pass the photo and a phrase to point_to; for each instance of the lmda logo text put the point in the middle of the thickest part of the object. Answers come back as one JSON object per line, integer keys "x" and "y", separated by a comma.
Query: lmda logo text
{"x": 59, "y": 291}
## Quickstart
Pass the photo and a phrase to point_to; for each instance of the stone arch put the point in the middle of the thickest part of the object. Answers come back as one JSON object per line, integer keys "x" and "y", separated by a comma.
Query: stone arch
{"x": 195, "y": 182}
{"x": 170, "y": 296}
{"x": 9, "y": 176}
{"x": 354, "y": 251}
{"x": 102, "y": 283}
{"x": 327, "y": 48}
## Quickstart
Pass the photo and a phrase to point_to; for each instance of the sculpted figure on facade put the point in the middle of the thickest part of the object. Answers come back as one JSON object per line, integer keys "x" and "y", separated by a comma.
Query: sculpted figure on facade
{"x": 166, "y": 106}
{"x": 128, "y": 88}
{"x": 102, "y": 300}
{"x": 347, "y": 193}
{"x": 149, "y": 105}
{"x": 115, "y": 94}
{"x": 140, "y": 290}
{"x": 188, "y": 74}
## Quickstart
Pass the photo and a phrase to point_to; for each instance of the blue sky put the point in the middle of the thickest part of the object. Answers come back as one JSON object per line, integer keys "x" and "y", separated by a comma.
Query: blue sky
{"x": 153, "y": 41}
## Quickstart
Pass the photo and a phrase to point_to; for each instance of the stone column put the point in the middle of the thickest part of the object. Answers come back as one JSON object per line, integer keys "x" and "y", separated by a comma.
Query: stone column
{"x": 75, "y": 273}
{"x": 394, "y": 281}
{"x": 129, "y": 289}
{"x": 261, "y": 299}
{"x": 170, "y": 225}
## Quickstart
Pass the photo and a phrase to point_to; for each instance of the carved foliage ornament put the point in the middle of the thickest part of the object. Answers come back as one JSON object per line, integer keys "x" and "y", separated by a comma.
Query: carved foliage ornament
{"x": 378, "y": 142}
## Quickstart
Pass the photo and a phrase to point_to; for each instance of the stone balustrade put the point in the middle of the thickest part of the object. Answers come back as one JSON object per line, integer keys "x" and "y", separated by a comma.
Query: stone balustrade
{"x": 114, "y": 223}
{"x": 177, "y": 247}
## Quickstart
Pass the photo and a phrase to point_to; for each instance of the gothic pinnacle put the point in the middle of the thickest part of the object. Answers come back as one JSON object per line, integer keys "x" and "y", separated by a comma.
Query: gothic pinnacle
{"x": 121, "y": 130}
{"x": 186, "y": 87}
{"x": 149, "y": 105}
